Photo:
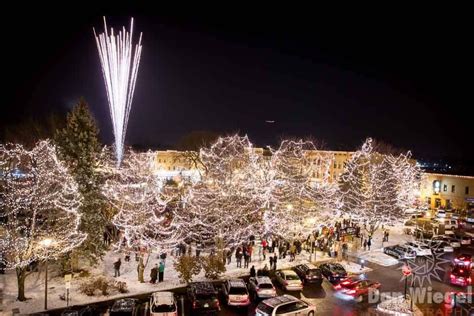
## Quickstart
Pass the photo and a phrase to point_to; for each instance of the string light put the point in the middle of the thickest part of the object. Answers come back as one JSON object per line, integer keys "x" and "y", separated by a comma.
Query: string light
{"x": 39, "y": 202}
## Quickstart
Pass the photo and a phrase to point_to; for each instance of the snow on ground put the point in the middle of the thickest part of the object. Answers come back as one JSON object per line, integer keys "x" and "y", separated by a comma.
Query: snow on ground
{"x": 398, "y": 306}
{"x": 354, "y": 268}
{"x": 375, "y": 254}
{"x": 378, "y": 257}
{"x": 34, "y": 286}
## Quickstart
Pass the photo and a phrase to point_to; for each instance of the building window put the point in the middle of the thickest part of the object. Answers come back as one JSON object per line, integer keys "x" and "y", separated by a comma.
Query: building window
{"x": 466, "y": 190}
{"x": 445, "y": 188}
{"x": 453, "y": 188}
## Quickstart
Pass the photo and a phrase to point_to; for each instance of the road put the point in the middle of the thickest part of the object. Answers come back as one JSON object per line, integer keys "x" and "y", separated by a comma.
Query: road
{"x": 323, "y": 297}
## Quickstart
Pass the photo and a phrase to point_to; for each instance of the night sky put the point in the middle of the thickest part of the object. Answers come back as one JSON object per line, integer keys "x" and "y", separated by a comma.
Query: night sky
{"x": 336, "y": 77}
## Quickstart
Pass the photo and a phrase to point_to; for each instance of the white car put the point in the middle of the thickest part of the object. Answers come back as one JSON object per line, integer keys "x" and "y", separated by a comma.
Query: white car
{"x": 235, "y": 292}
{"x": 449, "y": 223}
{"x": 163, "y": 304}
{"x": 285, "y": 305}
{"x": 441, "y": 213}
{"x": 289, "y": 280}
{"x": 465, "y": 240}
{"x": 419, "y": 248}
{"x": 261, "y": 287}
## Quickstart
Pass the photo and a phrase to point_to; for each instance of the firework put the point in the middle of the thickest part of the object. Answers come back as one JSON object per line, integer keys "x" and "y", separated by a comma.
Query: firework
{"x": 119, "y": 59}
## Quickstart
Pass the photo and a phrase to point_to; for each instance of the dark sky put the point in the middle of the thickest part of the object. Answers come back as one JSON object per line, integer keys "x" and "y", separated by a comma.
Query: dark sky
{"x": 404, "y": 78}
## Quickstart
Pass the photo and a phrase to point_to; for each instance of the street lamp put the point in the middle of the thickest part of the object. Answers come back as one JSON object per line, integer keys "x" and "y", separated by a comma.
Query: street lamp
{"x": 46, "y": 244}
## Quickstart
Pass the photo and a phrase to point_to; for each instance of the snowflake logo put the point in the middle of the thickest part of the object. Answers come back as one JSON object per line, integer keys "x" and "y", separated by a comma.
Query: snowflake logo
{"x": 426, "y": 267}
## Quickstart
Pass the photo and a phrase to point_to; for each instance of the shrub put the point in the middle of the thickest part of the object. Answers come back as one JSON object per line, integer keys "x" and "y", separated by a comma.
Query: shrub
{"x": 213, "y": 266}
{"x": 120, "y": 286}
{"x": 187, "y": 267}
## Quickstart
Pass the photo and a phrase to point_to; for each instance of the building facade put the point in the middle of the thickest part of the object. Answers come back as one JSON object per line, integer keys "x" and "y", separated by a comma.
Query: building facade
{"x": 447, "y": 191}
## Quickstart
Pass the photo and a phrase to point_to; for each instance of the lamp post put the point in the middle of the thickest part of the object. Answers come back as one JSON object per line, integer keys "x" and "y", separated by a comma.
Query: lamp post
{"x": 46, "y": 244}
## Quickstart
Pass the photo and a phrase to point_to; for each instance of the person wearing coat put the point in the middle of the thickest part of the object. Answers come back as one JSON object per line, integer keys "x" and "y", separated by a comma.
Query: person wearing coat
{"x": 117, "y": 265}
{"x": 252, "y": 272}
{"x": 154, "y": 274}
{"x": 161, "y": 272}
{"x": 141, "y": 271}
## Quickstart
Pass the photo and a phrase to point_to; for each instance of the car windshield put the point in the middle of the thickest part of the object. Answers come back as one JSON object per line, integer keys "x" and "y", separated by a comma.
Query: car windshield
{"x": 163, "y": 308}
{"x": 314, "y": 272}
{"x": 265, "y": 286}
{"x": 265, "y": 308}
{"x": 291, "y": 277}
{"x": 238, "y": 291}
{"x": 203, "y": 296}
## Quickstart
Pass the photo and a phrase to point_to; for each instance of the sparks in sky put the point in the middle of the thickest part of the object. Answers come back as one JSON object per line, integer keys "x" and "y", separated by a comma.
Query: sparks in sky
{"x": 119, "y": 59}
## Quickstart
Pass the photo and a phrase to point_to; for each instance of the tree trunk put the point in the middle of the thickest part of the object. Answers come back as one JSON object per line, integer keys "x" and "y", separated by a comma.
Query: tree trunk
{"x": 21, "y": 276}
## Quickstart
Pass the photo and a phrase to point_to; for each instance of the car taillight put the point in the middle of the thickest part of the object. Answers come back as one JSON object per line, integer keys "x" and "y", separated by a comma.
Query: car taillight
{"x": 286, "y": 282}
{"x": 338, "y": 287}
{"x": 194, "y": 304}
{"x": 351, "y": 292}
{"x": 452, "y": 276}
{"x": 469, "y": 280}
{"x": 257, "y": 288}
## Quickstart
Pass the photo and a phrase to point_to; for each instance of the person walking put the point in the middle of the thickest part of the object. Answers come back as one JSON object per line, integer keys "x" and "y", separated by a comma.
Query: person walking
{"x": 365, "y": 244}
{"x": 246, "y": 258}
{"x": 275, "y": 258}
{"x": 238, "y": 257}
{"x": 154, "y": 274}
{"x": 117, "y": 265}
{"x": 271, "y": 261}
{"x": 229, "y": 256}
{"x": 141, "y": 271}
{"x": 252, "y": 272}
{"x": 369, "y": 243}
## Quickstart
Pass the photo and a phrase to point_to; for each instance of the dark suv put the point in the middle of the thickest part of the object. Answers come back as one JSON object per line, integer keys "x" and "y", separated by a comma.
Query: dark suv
{"x": 334, "y": 272}
{"x": 309, "y": 274}
{"x": 203, "y": 298}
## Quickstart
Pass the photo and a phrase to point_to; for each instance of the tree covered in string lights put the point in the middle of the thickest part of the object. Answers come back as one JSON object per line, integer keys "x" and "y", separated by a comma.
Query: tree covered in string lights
{"x": 143, "y": 217}
{"x": 298, "y": 192}
{"x": 225, "y": 206}
{"x": 378, "y": 187}
{"x": 79, "y": 147}
{"x": 39, "y": 202}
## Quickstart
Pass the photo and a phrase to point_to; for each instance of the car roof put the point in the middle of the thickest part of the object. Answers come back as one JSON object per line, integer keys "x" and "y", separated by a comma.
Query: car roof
{"x": 203, "y": 288}
{"x": 123, "y": 304}
{"x": 237, "y": 283}
{"x": 275, "y": 301}
{"x": 165, "y": 298}
{"x": 288, "y": 272}
{"x": 263, "y": 279}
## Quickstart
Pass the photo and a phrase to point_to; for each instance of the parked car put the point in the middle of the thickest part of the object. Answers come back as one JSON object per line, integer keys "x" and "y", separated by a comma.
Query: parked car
{"x": 453, "y": 242}
{"x": 419, "y": 248}
{"x": 463, "y": 260}
{"x": 124, "y": 306}
{"x": 289, "y": 280}
{"x": 80, "y": 311}
{"x": 460, "y": 276}
{"x": 465, "y": 240}
{"x": 285, "y": 305}
{"x": 357, "y": 290}
{"x": 400, "y": 252}
{"x": 440, "y": 246}
{"x": 235, "y": 293}
{"x": 203, "y": 298}
{"x": 423, "y": 233}
{"x": 449, "y": 223}
{"x": 163, "y": 304}
{"x": 333, "y": 272}
{"x": 261, "y": 287}
{"x": 441, "y": 213}
{"x": 309, "y": 274}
